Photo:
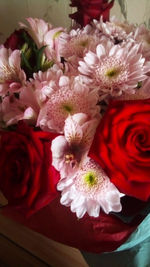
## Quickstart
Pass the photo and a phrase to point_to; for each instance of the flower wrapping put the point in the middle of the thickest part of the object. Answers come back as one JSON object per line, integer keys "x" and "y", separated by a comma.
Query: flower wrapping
{"x": 74, "y": 128}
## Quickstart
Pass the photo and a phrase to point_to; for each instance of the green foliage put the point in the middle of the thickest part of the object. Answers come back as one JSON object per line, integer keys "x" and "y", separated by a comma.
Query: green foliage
{"x": 32, "y": 58}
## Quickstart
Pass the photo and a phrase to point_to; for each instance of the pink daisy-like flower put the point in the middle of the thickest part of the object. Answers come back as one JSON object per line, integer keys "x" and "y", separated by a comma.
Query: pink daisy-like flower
{"x": 115, "y": 69}
{"x": 114, "y": 29}
{"x": 78, "y": 42}
{"x": 142, "y": 36}
{"x": 143, "y": 92}
{"x": 69, "y": 150}
{"x": 71, "y": 97}
{"x": 89, "y": 190}
{"x": 44, "y": 83}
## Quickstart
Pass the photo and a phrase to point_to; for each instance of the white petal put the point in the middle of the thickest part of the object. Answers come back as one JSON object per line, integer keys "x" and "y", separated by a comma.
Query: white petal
{"x": 93, "y": 208}
{"x": 84, "y": 67}
{"x": 100, "y": 51}
{"x": 105, "y": 205}
{"x": 14, "y": 59}
{"x": 59, "y": 144}
{"x": 30, "y": 113}
{"x": 90, "y": 58}
{"x": 89, "y": 129}
{"x": 65, "y": 197}
{"x": 80, "y": 118}
{"x": 77, "y": 202}
{"x": 73, "y": 131}
{"x": 64, "y": 80}
{"x": 65, "y": 201}
{"x": 80, "y": 211}
{"x": 117, "y": 208}
{"x": 113, "y": 50}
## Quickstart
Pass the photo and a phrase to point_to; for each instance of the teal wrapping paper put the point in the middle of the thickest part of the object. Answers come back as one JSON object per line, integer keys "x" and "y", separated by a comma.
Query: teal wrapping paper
{"x": 135, "y": 252}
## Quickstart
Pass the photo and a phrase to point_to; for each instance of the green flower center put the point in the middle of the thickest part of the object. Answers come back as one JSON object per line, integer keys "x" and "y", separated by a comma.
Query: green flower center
{"x": 90, "y": 178}
{"x": 67, "y": 107}
{"x": 111, "y": 73}
{"x": 84, "y": 43}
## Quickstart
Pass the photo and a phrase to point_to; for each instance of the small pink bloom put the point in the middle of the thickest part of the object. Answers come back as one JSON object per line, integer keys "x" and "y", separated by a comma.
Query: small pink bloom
{"x": 70, "y": 98}
{"x": 44, "y": 34}
{"x": 115, "y": 69}
{"x": 11, "y": 111}
{"x": 12, "y": 77}
{"x": 44, "y": 83}
{"x": 88, "y": 190}
{"x": 24, "y": 107}
{"x": 68, "y": 151}
{"x": 115, "y": 30}
{"x": 77, "y": 43}
{"x": 37, "y": 29}
{"x": 29, "y": 101}
{"x": 53, "y": 41}
{"x": 142, "y": 36}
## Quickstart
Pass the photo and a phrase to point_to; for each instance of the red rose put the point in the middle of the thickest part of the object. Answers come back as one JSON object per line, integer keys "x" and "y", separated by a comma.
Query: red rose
{"x": 15, "y": 40}
{"x": 27, "y": 178}
{"x": 87, "y": 10}
{"x": 122, "y": 146}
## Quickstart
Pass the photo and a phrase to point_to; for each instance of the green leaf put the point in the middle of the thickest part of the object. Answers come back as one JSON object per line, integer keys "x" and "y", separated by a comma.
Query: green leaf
{"x": 25, "y": 62}
{"x": 47, "y": 65}
{"x": 39, "y": 58}
{"x": 28, "y": 40}
{"x": 24, "y": 47}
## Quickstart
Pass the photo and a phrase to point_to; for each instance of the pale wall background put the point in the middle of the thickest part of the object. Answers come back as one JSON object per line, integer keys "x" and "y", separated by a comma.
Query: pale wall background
{"x": 56, "y": 11}
{"x": 135, "y": 11}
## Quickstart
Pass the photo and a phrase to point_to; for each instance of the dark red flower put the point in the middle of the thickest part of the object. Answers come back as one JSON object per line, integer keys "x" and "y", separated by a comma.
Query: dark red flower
{"x": 122, "y": 146}
{"x": 87, "y": 10}
{"x": 15, "y": 40}
{"x": 27, "y": 178}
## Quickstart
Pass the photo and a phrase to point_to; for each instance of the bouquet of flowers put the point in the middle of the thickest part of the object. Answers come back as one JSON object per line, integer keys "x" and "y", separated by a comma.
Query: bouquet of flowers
{"x": 75, "y": 122}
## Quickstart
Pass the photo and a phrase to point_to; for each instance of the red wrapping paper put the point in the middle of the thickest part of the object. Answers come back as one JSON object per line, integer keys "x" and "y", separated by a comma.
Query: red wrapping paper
{"x": 57, "y": 222}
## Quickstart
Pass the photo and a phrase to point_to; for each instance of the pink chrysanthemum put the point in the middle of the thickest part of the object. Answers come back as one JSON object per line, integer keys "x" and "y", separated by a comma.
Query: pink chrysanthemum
{"x": 115, "y": 69}
{"x": 78, "y": 42}
{"x": 88, "y": 190}
{"x": 115, "y": 30}
{"x": 44, "y": 83}
{"x": 69, "y": 99}
{"x": 142, "y": 36}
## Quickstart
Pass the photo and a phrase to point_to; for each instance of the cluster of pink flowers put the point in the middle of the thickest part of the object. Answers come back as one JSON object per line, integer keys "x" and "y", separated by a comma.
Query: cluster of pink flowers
{"x": 80, "y": 71}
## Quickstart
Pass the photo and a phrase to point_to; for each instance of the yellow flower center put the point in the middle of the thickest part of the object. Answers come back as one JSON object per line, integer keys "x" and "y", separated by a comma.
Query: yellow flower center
{"x": 69, "y": 158}
{"x": 84, "y": 43}
{"x": 111, "y": 73}
{"x": 90, "y": 179}
{"x": 67, "y": 107}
